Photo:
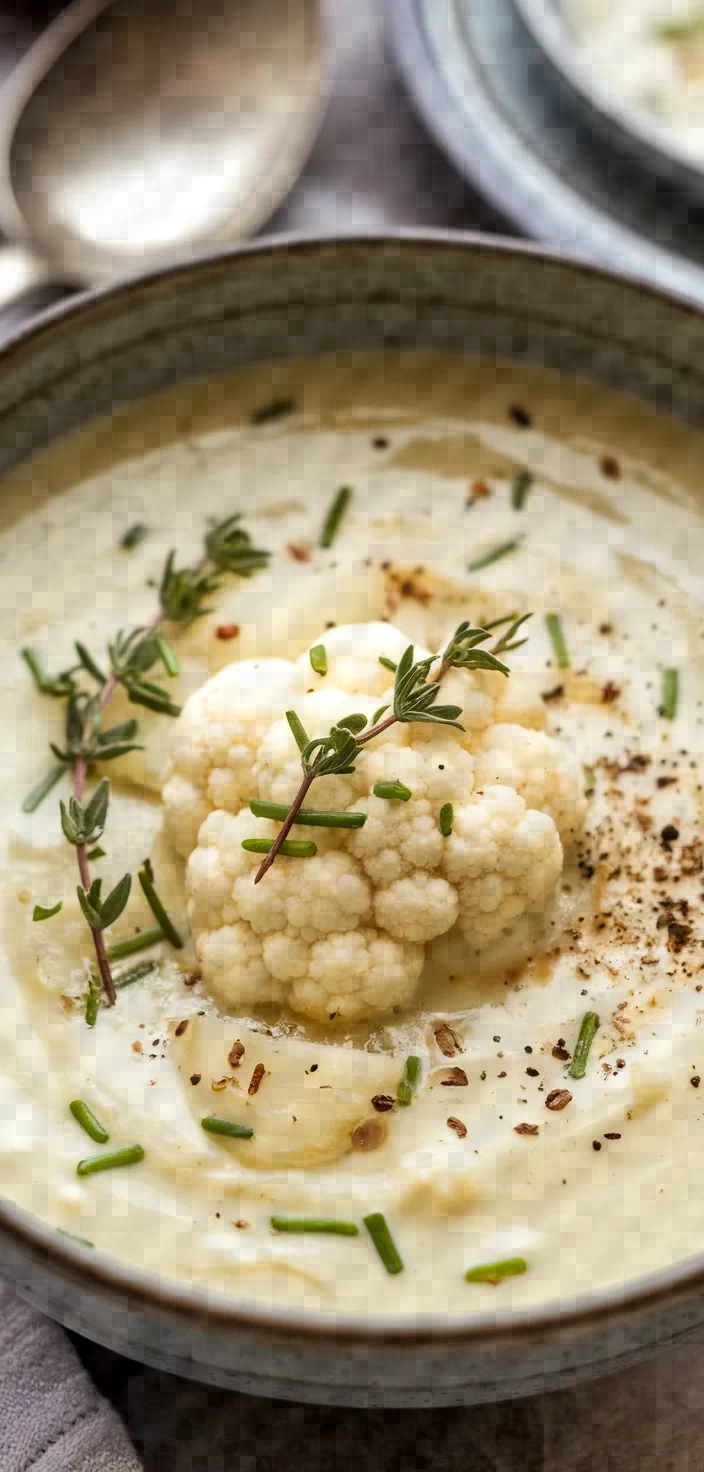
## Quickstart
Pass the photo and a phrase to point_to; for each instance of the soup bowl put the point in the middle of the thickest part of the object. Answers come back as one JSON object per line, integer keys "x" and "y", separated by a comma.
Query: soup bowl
{"x": 281, "y": 300}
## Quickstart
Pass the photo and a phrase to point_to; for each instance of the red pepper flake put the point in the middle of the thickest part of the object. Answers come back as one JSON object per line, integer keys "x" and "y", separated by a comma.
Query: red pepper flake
{"x": 558, "y": 1099}
{"x": 532, "y": 1072}
{"x": 596, "y": 1144}
{"x": 612, "y": 1135}
{"x": 368, "y": 1135}
{"x": 695, "y": 1082}
{"x": 610, "y": 467}
{"x": 258, "y": 1074}
{"x": 196, "y": 1078}
{"x": 610, "y": 693}
{"x": 299, "y": 551}
{"x": 459, "y": 1128}
{"x": 137, "y": 1047}
{"x": 478, "y": 491}
{"x": 180, "y": 1030}
{"x": 236, "y": 1054}
{"x": 227, "y": 631}
{"x": 380, "y": 442}
{"x": 447, "y": 1039}
{"x": 561, "y": 1052}
{"x": 555, "y": 694}
{"x": 526, "y": 1129}
{"x": 606, "y": 628}
{"x": 190, "y": 978}
{"x": 382, "y": 1103}
{"x": 454, "y": 1078}
{"x": 240, "y": 1223}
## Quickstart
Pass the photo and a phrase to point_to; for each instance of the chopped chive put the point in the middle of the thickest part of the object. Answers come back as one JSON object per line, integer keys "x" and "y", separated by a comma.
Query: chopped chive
{"x": 409, "y": 1082}
{"x": 679, "y": 31}
{"x": 589, "y": 781}
{"x": 133, "y": 536}
{"x": 493, "y": 1272}
{"x": 331, "y": 525}
{"x": 378, "y": 1230}
{"x": 43, "y": 788}
{"x": 277, "y": 409}
{"x": 388, "y": 664}
{"x": 557, "y": 639}
{"x": 298, "y": 730}
{"x": 129, "y": 1156}
{"x": 578, "y": 1066}
{"x": 92, "y": 1000}
{"x": 520, "y": 488}
{"x": 393, "y": 791}
{"x": 88, "y": 1122}
{"x": 295, "y": 848}
{"x": 167, "y": 655}
{"x": 319, "y": 659}
{"x": 216, "y": 1126}
{"x": 158, "y": 910}
{"x": 670, "y": 694}
{"x": 39, "y": 913}
{"x": 136, "y": 973}
{"x": 96, "y": 853}
{"x": 494, "y": 555}
{"x": 141, "y": 942}
{"x": 75, "y": 1237}
{"x": 314, "y": 1224}
{"x": 310, "y": 816}
{"x": 447, "y": 818}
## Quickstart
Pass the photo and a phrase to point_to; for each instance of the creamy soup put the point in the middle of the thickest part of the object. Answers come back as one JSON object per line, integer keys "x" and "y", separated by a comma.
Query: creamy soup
{"x": 650, "y": 55}
{"x": 530, "y": 940}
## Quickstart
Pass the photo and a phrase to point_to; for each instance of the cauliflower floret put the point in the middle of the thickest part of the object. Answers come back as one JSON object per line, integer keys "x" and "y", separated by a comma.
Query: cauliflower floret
{"x": 343, "y": 932}
{"x": 504, "y": 858}
{"x": 537, "y": 767}
{"x": 216, "y": 740}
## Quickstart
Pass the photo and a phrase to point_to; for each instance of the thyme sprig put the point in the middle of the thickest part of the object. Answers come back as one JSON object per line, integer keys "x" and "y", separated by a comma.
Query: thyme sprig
{"x": 88, "y": 687}
{"x": 415, "y": 699}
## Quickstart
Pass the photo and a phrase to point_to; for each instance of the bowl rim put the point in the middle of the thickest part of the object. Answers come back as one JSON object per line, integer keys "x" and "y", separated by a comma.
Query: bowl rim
{"x": 550, "y": 30}
{"x": 46, "y": 1244}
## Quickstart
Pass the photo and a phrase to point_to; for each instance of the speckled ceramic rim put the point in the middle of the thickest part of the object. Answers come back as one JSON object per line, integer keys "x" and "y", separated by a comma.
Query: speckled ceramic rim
{"x": 43, "y": 1243}
{"x": 547, "y": 24}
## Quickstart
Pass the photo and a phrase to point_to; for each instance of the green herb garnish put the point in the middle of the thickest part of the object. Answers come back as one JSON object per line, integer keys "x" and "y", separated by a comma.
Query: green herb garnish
{"x": 133, "y": 536}
{"x": 447, "y": 818}
{"x": 75, "y": 1237}
{"x": 43, "y": 788}
{"x": 494, "y": 1272}
{"x": 280, "y": 811}
{"x": 409, "y": 1082}
{"x": 91, "y": 998}
{"x": 331, "y": 525}
{"x": 319, "y": 659}
{"x": 88, "y": 1122}
{"x": 142, "y": 942}
{"x": 389, "y": 664}
{"x": 230, "y": 548}
{"x": 670, "y": 694}
{"x": 39, "y": 912}
{"x": 158, "y": 910}
{"x": 587, "y": 1033}
{"x": 378, "y": 1230}
{"x": 494, "y": 555}
{"x": 136, "y": 973}
{"x": 416, "y": 688}
{"x": 314, "y": 1224}
{"x": 520, "y": 488}
{"x": 131, "y": 1155}
{"x": 557, "y": 639}
{"x": 96, "y": 853}
{"x": 678, "y": 32}
{"x": 393, "y": 791}
{"x": 293, "y": 848}
{"x": 215, "y": 1126}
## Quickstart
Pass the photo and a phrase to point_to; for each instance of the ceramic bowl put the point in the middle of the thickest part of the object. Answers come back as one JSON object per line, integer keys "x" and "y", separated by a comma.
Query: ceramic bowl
{"x": 626, "y": 128}
{"x": 273, "y": 301}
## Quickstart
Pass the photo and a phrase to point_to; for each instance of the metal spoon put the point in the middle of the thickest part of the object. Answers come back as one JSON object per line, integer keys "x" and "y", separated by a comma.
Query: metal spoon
{"x": 137, "y": 132}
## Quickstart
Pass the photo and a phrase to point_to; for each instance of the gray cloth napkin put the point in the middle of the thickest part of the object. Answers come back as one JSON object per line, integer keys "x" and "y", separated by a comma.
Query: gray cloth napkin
{"x": 52, "y": 1418}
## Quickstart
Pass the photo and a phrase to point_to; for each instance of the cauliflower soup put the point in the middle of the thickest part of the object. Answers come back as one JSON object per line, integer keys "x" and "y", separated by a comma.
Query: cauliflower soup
{"x": 352, "y": 862}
